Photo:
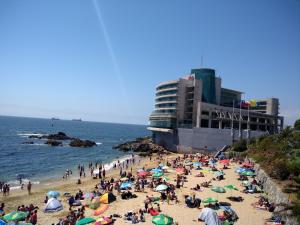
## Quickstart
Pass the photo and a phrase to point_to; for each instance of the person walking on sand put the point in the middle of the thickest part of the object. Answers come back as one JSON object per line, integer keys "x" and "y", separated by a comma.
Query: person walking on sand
{"x": 29, "y": 185}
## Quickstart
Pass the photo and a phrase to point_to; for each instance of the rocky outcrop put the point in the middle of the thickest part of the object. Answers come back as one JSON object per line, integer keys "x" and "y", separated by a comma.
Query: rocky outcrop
{"x": 61, "y": 136}
{"x": 53, "y": 142}
{"x": 28, "y": 143}
{"x": 82, "y": 143}
{"x": 276, "y": 195}
{"x": 144, "y": 146}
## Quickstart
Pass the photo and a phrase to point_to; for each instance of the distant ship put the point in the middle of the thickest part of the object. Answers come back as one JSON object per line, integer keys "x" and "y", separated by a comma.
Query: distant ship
{"x": 78, "y": 120}
{"x": 54, "y": 118}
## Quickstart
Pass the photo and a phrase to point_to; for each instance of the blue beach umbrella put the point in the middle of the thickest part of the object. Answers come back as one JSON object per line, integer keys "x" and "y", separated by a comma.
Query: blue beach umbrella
{"x": 197, "y": 164}
{"x": 161, "y": 187}
{"x": 125, "y": 185}
{"x": 240, "y": 170}
{"x": 53, "y": 194}
{"x": 2, "y": 222}
{"x": 156, "y": 170}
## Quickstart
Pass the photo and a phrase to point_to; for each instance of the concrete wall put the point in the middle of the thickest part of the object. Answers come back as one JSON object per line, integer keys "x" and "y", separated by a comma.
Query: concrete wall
{"x": 199, "y": 138}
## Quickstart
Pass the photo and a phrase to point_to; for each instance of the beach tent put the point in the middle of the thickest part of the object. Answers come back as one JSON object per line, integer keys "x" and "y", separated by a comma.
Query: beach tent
{"x": 53, "y": 205}
{"x": 107, "y": 198}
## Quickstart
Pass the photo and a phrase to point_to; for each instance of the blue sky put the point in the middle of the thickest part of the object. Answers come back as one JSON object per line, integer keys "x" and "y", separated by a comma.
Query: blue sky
{"x": 101, "y": 60}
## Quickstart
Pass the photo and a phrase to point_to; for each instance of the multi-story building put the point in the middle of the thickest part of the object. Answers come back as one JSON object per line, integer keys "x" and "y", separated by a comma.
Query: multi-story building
{"x": 198, "y": 102}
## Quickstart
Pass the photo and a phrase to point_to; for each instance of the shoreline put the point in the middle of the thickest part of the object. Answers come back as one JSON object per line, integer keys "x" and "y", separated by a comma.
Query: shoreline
{"x": 75, "y": 175}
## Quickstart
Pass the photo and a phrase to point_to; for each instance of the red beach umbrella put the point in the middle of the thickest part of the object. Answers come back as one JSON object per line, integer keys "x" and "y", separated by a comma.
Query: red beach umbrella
{"x": 142, "y": 174}
{"x": 225, "y": 161}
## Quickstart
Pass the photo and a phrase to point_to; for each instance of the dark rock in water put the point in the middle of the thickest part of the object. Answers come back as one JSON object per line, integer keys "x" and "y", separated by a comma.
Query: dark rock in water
{"x": 53, "y": 142}
{"x": 82, "y": 143}
{"x": 59, "y": 136}
{"x": 28, "y": 142}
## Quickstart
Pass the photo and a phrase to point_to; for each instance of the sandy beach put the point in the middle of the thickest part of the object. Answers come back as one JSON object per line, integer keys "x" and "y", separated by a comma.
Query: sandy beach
{"x": 247, "y": 214}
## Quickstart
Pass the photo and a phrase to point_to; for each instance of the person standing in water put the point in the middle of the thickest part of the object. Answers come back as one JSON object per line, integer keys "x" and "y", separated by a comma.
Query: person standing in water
{"x": 29, "y": 185}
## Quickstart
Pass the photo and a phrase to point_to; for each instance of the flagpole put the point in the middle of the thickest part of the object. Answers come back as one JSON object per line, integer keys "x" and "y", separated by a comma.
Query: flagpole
{"x": 232, "y": 134}
{"x": 240, "y": 121}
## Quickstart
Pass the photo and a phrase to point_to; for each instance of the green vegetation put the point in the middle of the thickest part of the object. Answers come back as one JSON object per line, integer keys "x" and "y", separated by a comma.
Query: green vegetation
{"x": 279, "y": 156}
{"x": 297, "y": 125}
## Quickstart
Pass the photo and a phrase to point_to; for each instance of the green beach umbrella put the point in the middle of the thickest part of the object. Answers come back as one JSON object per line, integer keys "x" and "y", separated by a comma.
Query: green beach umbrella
{"x": 218, "y": 189}
{"x": 15, "y": 216}
{"x": 210, "y": 200}
{"x": 156, "y": 175}
{"x": 248, "y": 173}
{"x": 162, "y": 219}
{"x": 84, "y": 221}
{"x": 231, "y": 187}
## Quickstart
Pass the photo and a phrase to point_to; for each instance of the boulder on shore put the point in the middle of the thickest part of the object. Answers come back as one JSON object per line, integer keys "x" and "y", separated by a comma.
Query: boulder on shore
{"x": 144, "y": 146}
{"x": 53, "y": 142}
{"x": 82, "y": 143}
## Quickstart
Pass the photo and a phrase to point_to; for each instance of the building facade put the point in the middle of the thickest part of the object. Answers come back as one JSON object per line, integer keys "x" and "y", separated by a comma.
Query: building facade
{"x": 198, "y": 102}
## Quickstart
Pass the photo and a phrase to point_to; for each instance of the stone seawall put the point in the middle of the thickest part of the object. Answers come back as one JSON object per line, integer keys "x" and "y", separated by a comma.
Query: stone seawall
{"x": 275, "y": 195}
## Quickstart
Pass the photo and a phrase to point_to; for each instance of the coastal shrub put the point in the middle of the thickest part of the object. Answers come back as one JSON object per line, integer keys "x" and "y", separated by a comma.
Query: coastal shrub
{"x": 278, "y": 169}
{"x": 298, "y": 194}
{"x": 297, "y": 179}
{"x": 240, "y": 146}
{"x": 294, "y": 166}
{"x": 259, "y": 158}
{"x": 297, "y": 124}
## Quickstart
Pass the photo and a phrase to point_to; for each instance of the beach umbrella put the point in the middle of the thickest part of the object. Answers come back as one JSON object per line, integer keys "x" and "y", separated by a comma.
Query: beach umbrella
{"x": 140, "y": 170}
{"x": 219, "y": 173}
{"x": 156, "y": 170}
{"x": 142, "y": 174}
{"x": 240, "y": 170}
{"x": 248, "y": 173}
{"x": 218, "y": 189}
{"x": 157, "y": 175}
{"x": 197, "y": 164}
{"x": 125, "y": 185}
{"x": 101, "y": 209}
{"x": 103, "y": 221}
{"x": 2, "y": 222}
{"x": 210, "y": 200}
{"x": 225, "y": 161}
{"x": 84, "y": 221}
{"x": 231, "y": 187}
{"x": 165, "y": 167}
{"x": 162, "y": 219}
{"x": 161, "y": 187}
{"x": 15, "y": 216}
{"x": 53, "y": 194}
{"x": 124, "y": 179}
{"x": 89, "y": 195}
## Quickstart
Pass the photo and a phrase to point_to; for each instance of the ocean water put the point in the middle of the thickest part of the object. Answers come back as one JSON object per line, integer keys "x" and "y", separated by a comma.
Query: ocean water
{"x": 39, "y": 161}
